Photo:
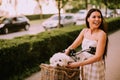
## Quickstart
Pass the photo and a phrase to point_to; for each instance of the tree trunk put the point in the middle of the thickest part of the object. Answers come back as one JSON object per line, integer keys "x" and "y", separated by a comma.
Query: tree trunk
{"x": 59, "y": 18}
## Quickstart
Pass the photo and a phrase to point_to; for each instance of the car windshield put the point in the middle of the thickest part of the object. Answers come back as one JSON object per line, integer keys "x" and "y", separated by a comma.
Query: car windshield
{"x": 56, "y": 17}
{"x": 21, "y": 18}
{"x": 7, "y": 20}
{"x": 81, "y": 12}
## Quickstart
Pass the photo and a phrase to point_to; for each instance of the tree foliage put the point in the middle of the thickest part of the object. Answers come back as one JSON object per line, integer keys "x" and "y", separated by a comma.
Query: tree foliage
{"x": 112, "y": 4}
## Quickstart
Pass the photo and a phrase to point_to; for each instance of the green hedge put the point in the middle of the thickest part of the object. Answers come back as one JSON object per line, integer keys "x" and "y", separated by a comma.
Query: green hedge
{"x": 38, "y": 16}
{"x": 113, "y": 24}
{"x": 22, "y": 54}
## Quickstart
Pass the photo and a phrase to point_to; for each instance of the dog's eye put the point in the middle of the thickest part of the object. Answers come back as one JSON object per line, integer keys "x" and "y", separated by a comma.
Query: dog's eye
{"x": 60, "y": 60}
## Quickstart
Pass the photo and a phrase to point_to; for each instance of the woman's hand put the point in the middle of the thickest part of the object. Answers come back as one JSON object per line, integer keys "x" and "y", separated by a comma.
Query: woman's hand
{"x": 67, "y": 51}
{"x": 74, "y": 65}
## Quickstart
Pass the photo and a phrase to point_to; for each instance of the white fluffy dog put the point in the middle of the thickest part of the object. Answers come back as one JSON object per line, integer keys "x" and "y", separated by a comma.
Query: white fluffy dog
{"x": 60, "y": 59}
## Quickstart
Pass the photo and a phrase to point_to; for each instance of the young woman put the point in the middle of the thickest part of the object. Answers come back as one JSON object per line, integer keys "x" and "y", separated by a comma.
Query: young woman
{"x": 93, "y": 40}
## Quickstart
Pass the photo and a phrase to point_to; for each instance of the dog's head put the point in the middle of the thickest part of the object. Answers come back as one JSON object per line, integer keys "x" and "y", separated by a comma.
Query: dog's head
{"x": 60, "y": 59}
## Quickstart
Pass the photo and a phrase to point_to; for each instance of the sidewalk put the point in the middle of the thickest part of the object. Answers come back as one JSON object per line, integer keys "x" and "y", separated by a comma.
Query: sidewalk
{"x": 112, "y": 60}
{"x": 113, "y": 57}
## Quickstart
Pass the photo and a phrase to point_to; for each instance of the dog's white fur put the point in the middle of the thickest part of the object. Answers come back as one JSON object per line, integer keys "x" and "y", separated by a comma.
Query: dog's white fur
{"x": 60, "y": 59}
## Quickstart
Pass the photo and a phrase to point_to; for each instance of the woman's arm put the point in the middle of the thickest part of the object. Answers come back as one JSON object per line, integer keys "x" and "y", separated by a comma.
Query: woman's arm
{"x": 98, "y": 55}
{"x": 77, "y": 42}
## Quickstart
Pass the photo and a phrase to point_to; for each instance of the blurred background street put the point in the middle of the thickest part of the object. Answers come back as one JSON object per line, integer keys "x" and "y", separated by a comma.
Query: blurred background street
{"x": 30, "y": 17}
{"x": 34, "y": 29}
{"x": 42, "y": 14}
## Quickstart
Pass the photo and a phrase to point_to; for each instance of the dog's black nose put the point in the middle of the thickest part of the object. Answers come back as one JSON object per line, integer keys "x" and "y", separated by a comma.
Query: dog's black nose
{"x": 58, "y": 65}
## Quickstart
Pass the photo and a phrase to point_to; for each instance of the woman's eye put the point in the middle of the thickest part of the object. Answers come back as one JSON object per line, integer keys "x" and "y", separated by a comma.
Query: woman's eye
{"x": 99, "y": 16}
{"x": 94, "y": 16}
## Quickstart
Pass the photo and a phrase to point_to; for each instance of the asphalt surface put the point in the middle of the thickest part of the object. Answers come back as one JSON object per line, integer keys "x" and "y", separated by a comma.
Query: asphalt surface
{"x": 112, "y": 59}
{"x": 35, "y": 27}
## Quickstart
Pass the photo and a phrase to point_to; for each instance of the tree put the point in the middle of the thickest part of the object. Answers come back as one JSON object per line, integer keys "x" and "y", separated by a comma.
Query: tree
{"x": 0, "y": 2}
{"x": 61, "y": 4}
{"x": 39, "y": 2}
{"x": 105, "y": 2}
{"x": 112, "y": 4}
{"x": 97, "y": 3}
{"x": 86, "y": 4}
{"x": 59, "y": 9}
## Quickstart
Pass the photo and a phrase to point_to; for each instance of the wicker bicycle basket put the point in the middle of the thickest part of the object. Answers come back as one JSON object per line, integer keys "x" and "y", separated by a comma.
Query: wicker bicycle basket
{"x": 58, "y": 73}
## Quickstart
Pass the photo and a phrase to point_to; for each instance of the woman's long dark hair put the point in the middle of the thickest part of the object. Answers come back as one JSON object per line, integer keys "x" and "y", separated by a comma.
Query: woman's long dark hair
{"x": 103, "y": 26}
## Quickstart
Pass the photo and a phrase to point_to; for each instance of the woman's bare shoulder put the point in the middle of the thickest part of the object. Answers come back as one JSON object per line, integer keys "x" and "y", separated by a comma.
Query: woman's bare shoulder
{"x": 84, "y": 30}
{"x": 102, "y": 34}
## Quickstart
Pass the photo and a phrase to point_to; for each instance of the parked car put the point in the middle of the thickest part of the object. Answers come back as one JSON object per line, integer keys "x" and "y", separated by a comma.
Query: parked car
{"x": 118, "y": 11}
{"x": 8, "y": 24}
{"x": 52, "y": 22}
{"x": 107, "y": 14}
{"x": 80, "y": 15}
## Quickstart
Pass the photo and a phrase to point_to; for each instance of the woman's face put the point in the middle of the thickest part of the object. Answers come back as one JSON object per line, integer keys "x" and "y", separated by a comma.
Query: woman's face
{"x": 94, "y": 20}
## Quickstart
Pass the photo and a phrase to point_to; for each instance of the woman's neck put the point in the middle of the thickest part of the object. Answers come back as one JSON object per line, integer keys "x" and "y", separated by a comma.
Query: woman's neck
{"x": 93, "y": 30}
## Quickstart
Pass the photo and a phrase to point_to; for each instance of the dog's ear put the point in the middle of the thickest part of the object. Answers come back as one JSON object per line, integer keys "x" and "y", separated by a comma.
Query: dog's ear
{"x": 51, "y": 60}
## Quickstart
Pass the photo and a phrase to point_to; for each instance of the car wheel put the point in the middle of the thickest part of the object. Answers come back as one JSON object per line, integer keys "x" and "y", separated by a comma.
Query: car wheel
{"x": 5, "y": 31}
{"x": 27, "y": 27}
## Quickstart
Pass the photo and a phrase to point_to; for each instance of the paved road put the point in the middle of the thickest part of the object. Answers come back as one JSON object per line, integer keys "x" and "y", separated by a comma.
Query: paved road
{"x": 112, "y": 60}
{"x": 34, "y": 29}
